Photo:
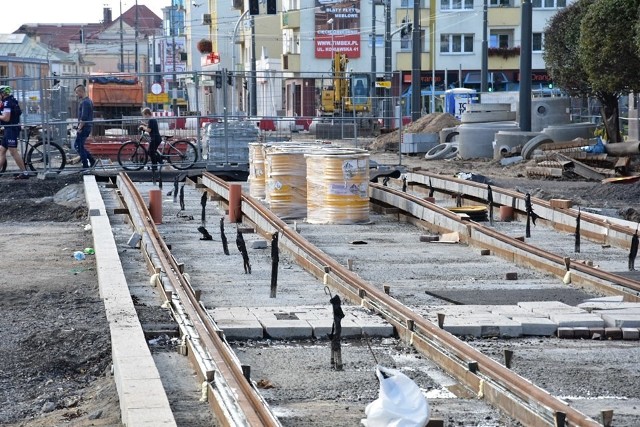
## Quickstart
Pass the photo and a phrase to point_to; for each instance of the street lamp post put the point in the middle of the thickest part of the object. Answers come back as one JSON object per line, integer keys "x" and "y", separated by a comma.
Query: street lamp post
{"x": 330, "y": 22}
{"x": 233, "y": 59}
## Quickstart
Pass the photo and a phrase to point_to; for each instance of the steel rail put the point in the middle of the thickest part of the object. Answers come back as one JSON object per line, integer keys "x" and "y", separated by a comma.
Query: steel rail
{"x": 497, "y": 384}
{"x": 254, "y": 410}
{"x": 592, "y": 226}
{"x": 595, "y": 277}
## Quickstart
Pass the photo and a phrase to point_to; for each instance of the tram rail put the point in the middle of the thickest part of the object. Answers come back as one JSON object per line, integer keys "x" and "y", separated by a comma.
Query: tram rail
{"x": 500, "y": 386}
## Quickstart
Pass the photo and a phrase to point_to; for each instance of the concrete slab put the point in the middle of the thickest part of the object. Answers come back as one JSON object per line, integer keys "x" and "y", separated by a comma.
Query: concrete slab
{"x": 536, "y": 326}
{"x": 576, "y": 320}
{"x": 512, "y": 311}
{"x": 610, "y": 305}
{"x": 290, "y": 329}
{"x": 630, "y": 334}
{"x": 242, "y": 329}
{"x": 548, "y": 307}
{"x": 483, "y": 325}
{"x": 616, "y": 320}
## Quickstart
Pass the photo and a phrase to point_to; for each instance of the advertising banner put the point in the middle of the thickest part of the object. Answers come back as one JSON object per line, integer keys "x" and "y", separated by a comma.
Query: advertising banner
{"x": 337, "y": 28}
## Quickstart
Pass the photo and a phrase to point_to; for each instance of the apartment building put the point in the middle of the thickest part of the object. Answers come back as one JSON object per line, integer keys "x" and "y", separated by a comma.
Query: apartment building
{"x": 450, "y": 43}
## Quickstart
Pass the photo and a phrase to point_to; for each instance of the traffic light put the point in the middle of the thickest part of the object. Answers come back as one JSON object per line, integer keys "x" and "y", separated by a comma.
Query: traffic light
{"x": 229, "y": 78}
{"x": 407, "y": 28}
{"x": 254, "y": 7}
{"x": 550, "y": 85}
{"x": 271, "y": 7}
{"x": 218, "y": 81}
{"x": 55, "y": 80}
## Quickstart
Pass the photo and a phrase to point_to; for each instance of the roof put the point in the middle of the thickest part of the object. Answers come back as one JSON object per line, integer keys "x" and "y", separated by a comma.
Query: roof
{"x": 58, "y": 35}
{"x": 148, "y": 22}
{"x": 61, "y": 35}
{"x": 22, "y": 46}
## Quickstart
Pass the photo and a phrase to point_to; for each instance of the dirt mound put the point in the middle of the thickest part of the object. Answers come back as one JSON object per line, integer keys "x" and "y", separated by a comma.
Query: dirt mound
{"x": 431, "y": 123}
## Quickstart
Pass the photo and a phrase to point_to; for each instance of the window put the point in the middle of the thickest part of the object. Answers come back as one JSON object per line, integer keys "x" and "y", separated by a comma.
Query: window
{"x": 537, "y": 42}
{"x": 456, "y": 4}
{"x": 456, "y": 43}
{"x": 500, "y": 38}
{"x": 548, "y": 4}
{"x": 409, "y": 3}
{"x": 499, "y": 3}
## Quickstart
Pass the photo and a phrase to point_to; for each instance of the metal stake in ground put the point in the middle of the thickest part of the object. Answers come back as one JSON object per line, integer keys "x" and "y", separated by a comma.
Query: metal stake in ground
{"x": 242, "y": 247}
{"x": 577, "y": 245}
{"x": 203, "y": 202}
{"x": 336, "y": 332}
{"x": 633, "y": 252}
{"x": 404, "y": 183}
{"x": 182, "y": 197}
{"x": 531, "y": 215}
{"x": 223, "y": 237}
{"x": 431, "y": 190}
{"x": 490, "y": 200}
{"x": 275, "y": 259}
{"x": 175, "y": 189}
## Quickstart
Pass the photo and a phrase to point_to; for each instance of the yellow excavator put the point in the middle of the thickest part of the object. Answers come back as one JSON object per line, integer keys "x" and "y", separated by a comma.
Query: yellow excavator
{"x": 350, "y": 91}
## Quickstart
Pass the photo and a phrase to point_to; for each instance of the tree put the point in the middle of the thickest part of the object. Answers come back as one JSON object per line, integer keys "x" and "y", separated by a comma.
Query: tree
{"x": 591, "y": 50}
{"x": 561, "y": 49}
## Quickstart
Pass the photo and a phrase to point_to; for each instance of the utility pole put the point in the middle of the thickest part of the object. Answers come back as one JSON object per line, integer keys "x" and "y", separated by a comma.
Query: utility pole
{"x": 485, "y": 54}
{"x": 387, "y": 62}
{"x": 525, "y": 67}
{"x": 373, "y": 57}
{"x": 253, "y": 95}
{"x": 136, "y": 41}
{"x": 416, "y": 63}
{"x": 121, "y": 41}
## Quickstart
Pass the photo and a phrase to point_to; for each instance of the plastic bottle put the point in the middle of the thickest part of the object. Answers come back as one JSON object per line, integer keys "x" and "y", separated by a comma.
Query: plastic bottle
{"x": 78, "y": 255}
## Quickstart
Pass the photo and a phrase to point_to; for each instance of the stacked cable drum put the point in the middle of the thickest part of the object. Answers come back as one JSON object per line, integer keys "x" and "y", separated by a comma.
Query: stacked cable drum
{"x": 337, "y": 186}
{"x": 286, "y": 180}
{"x": 256, "y": 177}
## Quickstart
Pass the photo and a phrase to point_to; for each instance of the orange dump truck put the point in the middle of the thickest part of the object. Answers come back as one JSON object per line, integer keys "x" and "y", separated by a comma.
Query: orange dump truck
{"x": 115, "y": 96}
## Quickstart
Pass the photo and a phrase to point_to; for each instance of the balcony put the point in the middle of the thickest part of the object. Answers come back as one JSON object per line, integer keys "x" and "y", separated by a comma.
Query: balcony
{"x": 290, "y": 19}
{"x": 291, "y": 62}
{"x": 504, "y": 58}
{"x": 503, "y": 17}
{"x": 404, "y": 60}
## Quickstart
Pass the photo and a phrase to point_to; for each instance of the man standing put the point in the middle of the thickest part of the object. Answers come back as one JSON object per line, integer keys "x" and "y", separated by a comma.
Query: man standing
{"x": 11, "y": 116}
{"x": 85, "y": 123}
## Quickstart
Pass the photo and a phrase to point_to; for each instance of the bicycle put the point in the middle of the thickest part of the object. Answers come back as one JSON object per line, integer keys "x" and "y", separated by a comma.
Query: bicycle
{"x": 133, "y": 155}
{"x": 37, "y": 156}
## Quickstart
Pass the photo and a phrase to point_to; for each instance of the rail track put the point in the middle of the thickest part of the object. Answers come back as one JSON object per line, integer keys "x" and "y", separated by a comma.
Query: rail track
{"x": 234, "y": 397}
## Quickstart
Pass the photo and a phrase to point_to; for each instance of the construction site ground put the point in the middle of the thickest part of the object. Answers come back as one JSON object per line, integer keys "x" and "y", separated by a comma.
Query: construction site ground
{"x": 54, "y": 342}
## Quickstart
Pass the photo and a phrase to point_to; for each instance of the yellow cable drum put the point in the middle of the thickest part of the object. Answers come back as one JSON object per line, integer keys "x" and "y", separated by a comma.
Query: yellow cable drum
{"x": 256, "y": 170}
{"x": 338, "y": 186}
{"x": 286, "y": 180}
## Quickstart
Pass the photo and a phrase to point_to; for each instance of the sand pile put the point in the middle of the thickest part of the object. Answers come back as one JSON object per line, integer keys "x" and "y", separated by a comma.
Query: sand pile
{"x": 431, "y": 123}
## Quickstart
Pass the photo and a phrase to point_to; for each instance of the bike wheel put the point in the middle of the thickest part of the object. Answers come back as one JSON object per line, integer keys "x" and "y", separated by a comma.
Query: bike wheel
{"x": 42, "y": 156}
{"x": 132, "y": 156}
{"x": 180, "y": 154}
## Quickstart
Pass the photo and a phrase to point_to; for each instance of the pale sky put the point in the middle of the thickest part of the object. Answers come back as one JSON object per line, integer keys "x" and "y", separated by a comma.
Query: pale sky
{"x": 68, "y": 11}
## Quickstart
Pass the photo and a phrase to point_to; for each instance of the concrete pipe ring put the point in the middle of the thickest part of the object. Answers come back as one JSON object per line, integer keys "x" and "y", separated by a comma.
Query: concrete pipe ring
{"x": 450, "y": 137}
{"x": 439, "y": 151}
{"x": 536, "y": 142}
{"x": 453, "y": 153}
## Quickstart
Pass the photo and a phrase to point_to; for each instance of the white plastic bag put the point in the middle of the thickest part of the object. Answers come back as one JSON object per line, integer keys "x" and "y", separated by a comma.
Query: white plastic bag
{"x": 400, "y": 403}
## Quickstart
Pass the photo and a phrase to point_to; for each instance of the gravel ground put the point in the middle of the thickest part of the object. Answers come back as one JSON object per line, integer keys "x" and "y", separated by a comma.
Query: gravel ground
{"x": 54, "y": 345}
